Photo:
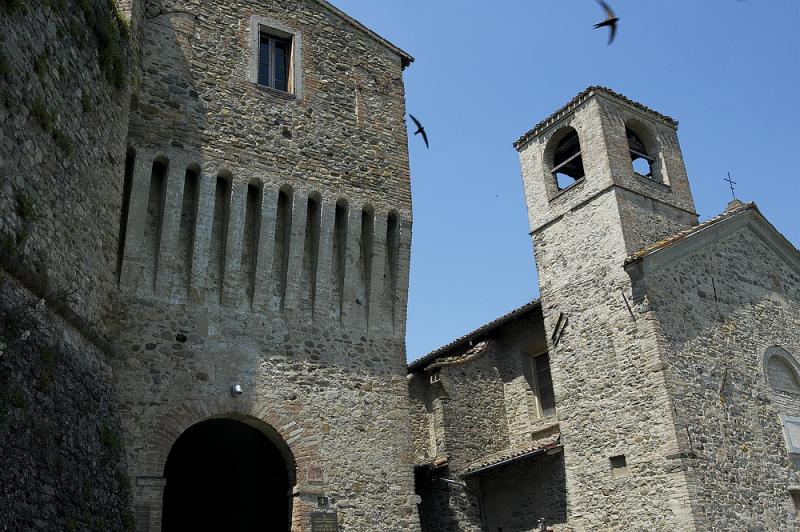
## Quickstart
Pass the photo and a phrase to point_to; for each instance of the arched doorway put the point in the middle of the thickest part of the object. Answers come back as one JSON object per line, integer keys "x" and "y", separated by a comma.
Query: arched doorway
{"x": 224, "y": 474}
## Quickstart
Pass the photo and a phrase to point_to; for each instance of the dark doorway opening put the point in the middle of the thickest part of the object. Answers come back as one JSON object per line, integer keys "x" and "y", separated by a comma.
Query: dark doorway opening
{"x": 223, "y": 474}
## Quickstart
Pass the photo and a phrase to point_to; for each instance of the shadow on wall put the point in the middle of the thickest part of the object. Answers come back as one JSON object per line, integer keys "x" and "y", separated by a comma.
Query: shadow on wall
{"x": 446, "y": 505}
{"x": 208, "y": 225}
{"x": 519, "y": 495}
{"x": 163, "y": 171}
{"x": 514, "y": 497}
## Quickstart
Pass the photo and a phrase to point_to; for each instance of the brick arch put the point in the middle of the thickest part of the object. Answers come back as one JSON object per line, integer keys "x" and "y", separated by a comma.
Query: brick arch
{"x": 170, "y": 423}
{"x": 653, "y": 144}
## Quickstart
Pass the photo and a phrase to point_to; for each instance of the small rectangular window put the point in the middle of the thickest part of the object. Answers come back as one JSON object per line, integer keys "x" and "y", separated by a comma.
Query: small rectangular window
{"x": 619, "y": 466}
{"x": 274, "y": 61}
{"x": 544, "y": 385}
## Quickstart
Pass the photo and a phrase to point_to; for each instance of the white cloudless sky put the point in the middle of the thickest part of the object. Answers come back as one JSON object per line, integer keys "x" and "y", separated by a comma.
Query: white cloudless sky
{"x": 486, "y": 72}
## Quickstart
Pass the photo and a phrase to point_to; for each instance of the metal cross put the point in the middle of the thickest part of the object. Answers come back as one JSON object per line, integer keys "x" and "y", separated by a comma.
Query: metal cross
{"x": 731, "y": 182}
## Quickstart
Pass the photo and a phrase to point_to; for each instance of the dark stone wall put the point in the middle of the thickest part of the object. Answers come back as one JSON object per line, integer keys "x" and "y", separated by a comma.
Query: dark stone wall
{"x": 63, "y": 121}
{"x": 482, "y": 404}
{"x": 63, "y": 465}
{"x": 516, "y": 496}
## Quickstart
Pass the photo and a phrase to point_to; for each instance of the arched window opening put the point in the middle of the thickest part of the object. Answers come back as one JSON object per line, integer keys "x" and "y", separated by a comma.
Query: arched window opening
{"x": 567, "y": 160}
{"x": 782, "y": 376}
{"x": 224, "y": 474}
{"x": 782, "y": 373}
{"x": 642, "y": 162}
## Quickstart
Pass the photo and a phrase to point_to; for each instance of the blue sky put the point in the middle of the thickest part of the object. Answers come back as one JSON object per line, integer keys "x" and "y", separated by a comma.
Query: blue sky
{"x": 485, "y": 73}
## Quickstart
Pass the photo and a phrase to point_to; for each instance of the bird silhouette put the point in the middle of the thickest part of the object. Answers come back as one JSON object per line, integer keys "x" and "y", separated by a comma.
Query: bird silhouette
{"x": 419, "y": 130}
{"x": 610, "y": 21}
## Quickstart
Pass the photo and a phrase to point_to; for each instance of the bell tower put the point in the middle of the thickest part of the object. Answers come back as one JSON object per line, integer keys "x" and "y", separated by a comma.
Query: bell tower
{"x": 604, "y": 177}
{"x": 604, "y": 143}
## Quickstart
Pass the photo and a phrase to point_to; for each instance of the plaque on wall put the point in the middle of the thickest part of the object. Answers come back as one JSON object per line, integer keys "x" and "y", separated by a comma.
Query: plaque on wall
{"x": 324, "y": 522}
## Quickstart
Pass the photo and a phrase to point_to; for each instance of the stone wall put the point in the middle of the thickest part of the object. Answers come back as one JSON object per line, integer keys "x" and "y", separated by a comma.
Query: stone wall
{"x": 611, "y": 398}
{"x": 63, "y": 121}
{"x": 63, "y": 461}
{"x": 337, "y": 401}
{"x": 484, "y": 394}
{"x": 651, "y": 209}
{"x": 517, "y": 496}
{"x": 328, "y": 167}
{"x": 480, "y": 405}
{"x": 721, "y": 305}
{"x": 646, "y": 220}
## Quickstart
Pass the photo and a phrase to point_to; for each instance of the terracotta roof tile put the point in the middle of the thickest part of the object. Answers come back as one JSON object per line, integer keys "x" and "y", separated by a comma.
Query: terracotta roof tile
{"x": 509, "y": 455}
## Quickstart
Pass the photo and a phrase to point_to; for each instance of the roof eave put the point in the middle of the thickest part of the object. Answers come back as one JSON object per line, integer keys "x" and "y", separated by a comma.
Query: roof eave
{"x": 652, "y": 259}
{"x": 486, "y": 328}
{"x": 578, "y": 100}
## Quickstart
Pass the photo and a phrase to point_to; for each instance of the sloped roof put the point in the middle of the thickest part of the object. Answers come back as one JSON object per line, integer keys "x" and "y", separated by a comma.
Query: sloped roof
{"x": 510, "y": 455}
{"x": 502, "y": 320}
{"x": 407, "y": 58}
{"x": 579, "y": 99}
{"x": 734, "y": 210}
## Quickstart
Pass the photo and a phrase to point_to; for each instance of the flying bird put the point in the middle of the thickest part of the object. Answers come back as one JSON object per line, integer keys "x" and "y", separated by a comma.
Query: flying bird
{"x": 610, "y": 21}
{"x": 419, "y": 130}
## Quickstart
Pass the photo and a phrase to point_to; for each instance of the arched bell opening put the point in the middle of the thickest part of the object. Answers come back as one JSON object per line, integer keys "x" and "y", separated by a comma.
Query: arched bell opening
{"x": 565, "y": 157}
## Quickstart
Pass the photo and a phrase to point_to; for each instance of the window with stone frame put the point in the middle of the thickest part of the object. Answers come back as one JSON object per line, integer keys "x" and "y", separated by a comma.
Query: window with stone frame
{"x": 543, "y": 384}
{"x": 275, "y": 60}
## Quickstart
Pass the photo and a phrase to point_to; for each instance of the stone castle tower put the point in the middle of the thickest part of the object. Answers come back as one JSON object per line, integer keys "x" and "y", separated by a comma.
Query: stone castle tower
{"x": 266, "y": 221}
{"x": 589, "y": 209}
{"x": 223, "y": 190}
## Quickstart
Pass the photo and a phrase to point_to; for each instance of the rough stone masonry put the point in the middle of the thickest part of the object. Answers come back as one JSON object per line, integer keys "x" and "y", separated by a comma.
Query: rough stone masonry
{"x": 656, "y": 382}
{"x": 205, "y": 219}
{"x": 193, "y": 226}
